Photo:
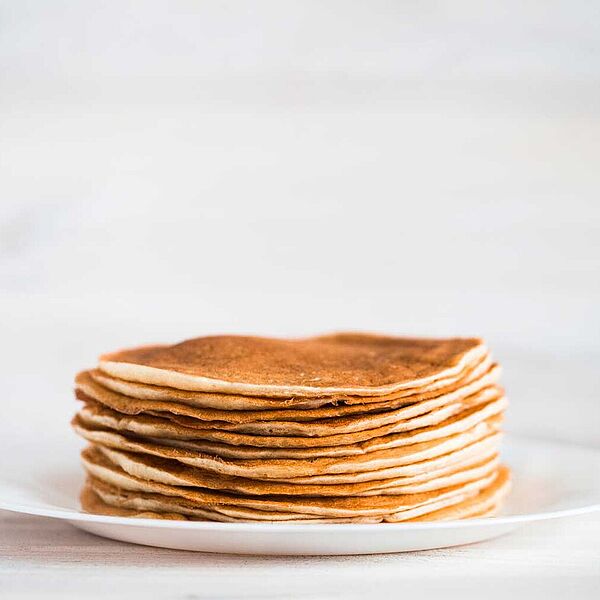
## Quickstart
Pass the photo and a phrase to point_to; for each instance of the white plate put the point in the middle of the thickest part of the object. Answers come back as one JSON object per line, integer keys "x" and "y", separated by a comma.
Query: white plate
{"x": 550, "y": 480}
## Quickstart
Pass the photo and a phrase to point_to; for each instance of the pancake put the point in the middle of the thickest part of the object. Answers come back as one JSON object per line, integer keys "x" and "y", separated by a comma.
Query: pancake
{"x": 171, "y": 472}
{"x": 101, "y": 498}
{"x": 157, "y": 427}
{"x": 101, "y": 468}
{"x": 223, "y": 401}
{"x": 454, "y": 402}
{"x": 96, "y": 417}
{"x": 345, "y": 363}
{"x": 87, "y": 388}
{"x": 393, "y": 461}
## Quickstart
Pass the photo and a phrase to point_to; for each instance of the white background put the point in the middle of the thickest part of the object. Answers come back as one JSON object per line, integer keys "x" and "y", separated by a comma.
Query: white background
{"x": 171, "y": 169}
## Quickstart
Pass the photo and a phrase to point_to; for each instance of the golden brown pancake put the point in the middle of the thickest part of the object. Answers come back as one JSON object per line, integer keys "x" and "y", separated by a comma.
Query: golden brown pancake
{"x": 102, "y": 498}
{"x": 224, "y": 401}
{"x": 453, "y": 403}
{"x": 94, "y": 416}
{"x": 381, "y": 464}
{"x": 345, "y": 363}
{"x": 102, "y": 469}
{"x": 171, "y": 472}
{"x": 88, "y": 386}
{"x": 157, "y": 427}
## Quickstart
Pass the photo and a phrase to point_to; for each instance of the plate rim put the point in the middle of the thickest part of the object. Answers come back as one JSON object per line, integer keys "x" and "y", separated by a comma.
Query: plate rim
{"x": 274, "y": 527}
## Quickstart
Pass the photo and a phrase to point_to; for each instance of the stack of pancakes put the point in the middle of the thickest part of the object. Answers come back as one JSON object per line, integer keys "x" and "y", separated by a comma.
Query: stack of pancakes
{"x": 338, "y": 428}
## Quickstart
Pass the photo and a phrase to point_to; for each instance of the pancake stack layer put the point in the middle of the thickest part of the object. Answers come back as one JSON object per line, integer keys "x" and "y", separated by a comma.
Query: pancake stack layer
{"x": 333, "y": 429}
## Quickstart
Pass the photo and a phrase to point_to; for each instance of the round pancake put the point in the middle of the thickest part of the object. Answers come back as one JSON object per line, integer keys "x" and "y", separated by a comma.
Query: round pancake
{"x": 100, "y": 498}
{"x": 171, "y": 472}
{"x": 321, "y": 427}
{"x": 381, "y": 464}
{"x": 222, "y": 401}
{"x": 97, "y": 417}
{"x": 385, "y": 506}
{"x": 345, "y": 363}
{"x": 87, "y": 388}
{"x": 150, "y": 426}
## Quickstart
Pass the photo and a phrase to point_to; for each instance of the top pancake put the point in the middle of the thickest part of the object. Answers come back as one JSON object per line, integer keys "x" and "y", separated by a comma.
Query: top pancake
{"x": 344, "y": 363}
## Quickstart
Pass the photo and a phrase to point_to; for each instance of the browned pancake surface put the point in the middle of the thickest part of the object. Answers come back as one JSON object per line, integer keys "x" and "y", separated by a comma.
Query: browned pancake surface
{"x": 341, "y": 360}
